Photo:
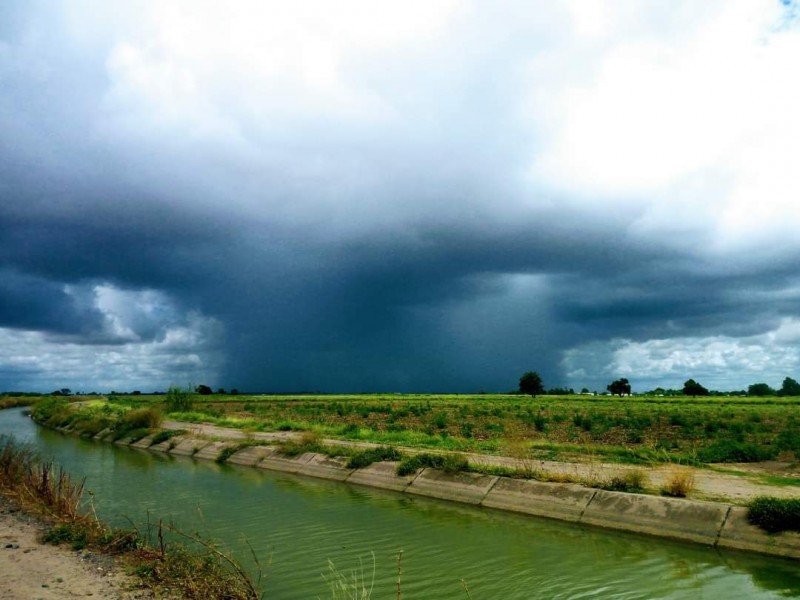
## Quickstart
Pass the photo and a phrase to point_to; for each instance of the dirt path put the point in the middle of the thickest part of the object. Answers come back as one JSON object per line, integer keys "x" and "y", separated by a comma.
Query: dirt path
{"x": 30, "y": 570}
{"x": 728, "y": 483}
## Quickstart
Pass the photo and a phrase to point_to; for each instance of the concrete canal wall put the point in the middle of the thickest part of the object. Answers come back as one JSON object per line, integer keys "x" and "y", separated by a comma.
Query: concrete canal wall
{"x": 711, "y": 523}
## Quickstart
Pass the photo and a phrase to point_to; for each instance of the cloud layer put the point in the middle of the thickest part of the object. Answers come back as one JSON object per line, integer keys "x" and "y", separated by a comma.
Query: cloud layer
{"x": 430, "y": 196}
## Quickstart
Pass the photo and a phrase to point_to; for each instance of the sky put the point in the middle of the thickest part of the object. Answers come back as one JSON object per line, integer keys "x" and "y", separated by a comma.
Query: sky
{"x": 419, "y": 196}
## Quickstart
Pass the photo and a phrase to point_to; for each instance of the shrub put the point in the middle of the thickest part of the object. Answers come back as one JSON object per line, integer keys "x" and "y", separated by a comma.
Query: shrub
{"x": 775, "y": 514}
{"x": 146, "y": 418}
{"x": 359, "y": 460}
{"x": 679, "y": 484}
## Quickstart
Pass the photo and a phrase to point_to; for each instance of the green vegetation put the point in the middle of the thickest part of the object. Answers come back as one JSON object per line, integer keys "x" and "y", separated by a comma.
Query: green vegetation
{"x": 136, "y": 423}
{"x": 362, "y": 459}
{"x": 636, "y": 429}
{"x": 178, "y": 399}
{"x": 775, "y": 514}
{"x": 449, "y": 463}
{"x": 166, "y": 434}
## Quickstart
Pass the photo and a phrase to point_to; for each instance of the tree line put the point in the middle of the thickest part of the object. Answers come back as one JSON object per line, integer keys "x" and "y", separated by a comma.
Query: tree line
{"x": 531, "y": 384}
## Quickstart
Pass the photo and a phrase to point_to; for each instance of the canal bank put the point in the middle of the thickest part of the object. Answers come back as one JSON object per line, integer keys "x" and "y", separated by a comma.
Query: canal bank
{"x": 714, "y": 524}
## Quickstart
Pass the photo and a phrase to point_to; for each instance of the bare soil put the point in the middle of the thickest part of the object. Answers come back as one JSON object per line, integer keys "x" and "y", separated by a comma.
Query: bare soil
{"x": 31, "y": 570}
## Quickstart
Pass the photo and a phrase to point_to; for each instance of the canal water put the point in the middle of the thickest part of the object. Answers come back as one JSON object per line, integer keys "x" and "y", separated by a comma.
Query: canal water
{"x": 297, "y": 527}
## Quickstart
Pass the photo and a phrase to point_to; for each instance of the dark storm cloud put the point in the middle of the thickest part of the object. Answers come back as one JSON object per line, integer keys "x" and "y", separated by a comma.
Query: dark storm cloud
{"x": 27, "y": 302}
{"x": 380, "y": 228}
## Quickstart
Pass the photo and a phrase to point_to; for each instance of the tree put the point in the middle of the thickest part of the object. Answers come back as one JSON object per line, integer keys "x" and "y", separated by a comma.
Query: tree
{"x": 620, "y": 387}
{"x": 692, "y": 388}
{"x": 760, "y": 389}
{"x": 790, "y": 387}
{"x": 203, "y": 390}
{"x": 531, "y": 383}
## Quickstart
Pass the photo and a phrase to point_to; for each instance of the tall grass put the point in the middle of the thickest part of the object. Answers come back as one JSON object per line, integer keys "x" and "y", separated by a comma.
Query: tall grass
{"x": 679, "y": 483}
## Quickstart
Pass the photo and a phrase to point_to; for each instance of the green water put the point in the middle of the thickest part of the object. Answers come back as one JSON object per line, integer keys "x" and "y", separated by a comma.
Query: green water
{"x": 296, "y": 525}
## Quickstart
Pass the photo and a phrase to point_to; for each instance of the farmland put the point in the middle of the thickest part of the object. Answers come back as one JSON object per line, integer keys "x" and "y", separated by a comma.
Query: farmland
{"x": 631, "y": 429}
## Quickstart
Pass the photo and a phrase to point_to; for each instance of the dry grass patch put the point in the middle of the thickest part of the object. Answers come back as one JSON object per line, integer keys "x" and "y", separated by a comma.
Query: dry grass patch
{"x": 679, "y": 483}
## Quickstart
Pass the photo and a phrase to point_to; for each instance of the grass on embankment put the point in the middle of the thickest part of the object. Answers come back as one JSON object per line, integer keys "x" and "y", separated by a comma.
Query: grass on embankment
{"x": 37, "y": 487}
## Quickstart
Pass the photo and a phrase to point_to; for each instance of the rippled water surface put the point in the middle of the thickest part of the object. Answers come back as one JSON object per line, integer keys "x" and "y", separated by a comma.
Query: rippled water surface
{"x": 297, "y": 525}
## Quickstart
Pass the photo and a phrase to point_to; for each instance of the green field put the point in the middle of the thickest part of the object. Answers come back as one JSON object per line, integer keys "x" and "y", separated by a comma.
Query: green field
{"x": 630, "y": 429}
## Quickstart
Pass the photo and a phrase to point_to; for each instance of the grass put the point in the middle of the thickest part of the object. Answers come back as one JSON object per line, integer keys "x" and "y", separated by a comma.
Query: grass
{"x": 38, "y": 487}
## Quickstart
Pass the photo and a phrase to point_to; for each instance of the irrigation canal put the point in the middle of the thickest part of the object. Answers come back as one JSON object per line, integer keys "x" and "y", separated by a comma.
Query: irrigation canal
{"x": 297, "y": 526}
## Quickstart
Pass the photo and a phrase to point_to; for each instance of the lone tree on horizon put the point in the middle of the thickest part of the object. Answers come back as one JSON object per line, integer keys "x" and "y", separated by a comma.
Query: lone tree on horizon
{"x": 620, "y": 387}
{"x": 694, "y": 389}
{"x": 531, "y": 383}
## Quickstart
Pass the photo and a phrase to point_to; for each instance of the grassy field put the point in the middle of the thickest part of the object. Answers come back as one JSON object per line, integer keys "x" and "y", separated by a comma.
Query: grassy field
{"x": 635, "y": 429}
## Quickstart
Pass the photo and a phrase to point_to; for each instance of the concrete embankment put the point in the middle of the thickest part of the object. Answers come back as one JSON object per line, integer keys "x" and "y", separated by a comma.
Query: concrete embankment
{"x": 714, "y": 524}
